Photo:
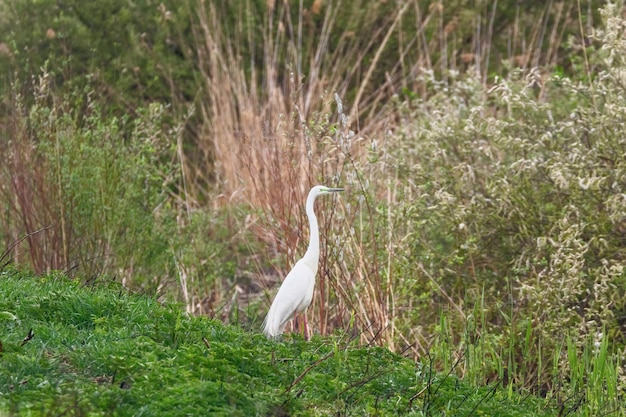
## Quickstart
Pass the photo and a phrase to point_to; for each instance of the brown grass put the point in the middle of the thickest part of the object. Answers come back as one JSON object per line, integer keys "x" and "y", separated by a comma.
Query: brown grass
{"x": 269, "y": 132}
{"x": 30, "y": 198}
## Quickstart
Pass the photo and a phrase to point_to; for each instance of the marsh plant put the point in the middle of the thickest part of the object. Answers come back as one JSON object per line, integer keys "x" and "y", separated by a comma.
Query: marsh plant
{"x": 84, "y": 190}
{"x": 504, "y": 208}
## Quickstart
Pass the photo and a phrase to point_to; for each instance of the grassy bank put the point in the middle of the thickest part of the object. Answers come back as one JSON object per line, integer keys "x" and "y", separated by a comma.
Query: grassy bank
{"x": 73, "y": 350}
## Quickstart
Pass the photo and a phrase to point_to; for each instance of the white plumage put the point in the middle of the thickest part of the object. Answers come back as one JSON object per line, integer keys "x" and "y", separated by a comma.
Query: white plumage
{"x": 296, "y": 292}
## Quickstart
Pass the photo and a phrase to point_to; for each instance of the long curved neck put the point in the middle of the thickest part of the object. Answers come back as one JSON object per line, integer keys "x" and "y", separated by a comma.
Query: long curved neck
{"x": 312, "y": 254}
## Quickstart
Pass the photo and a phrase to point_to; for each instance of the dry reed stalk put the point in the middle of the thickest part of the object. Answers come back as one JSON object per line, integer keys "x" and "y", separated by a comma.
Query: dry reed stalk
{"x": 30, "y": 199}
{"x": 265, "y": 137}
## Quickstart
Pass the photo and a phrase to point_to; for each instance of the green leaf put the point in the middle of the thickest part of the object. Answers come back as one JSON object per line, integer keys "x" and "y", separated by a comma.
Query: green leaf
{"x": 7, "y": 315}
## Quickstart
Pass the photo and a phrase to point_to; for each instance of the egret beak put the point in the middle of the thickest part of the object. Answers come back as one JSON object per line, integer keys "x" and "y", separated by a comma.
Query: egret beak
{"x": 334, "y": 190}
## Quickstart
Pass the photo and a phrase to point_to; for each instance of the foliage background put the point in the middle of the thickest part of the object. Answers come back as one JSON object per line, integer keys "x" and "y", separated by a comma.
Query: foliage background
{"x": 170, "y": 146}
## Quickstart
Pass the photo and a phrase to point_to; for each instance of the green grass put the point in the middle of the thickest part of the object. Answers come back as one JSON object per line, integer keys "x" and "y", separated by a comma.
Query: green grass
{"x": 100, "y": 351}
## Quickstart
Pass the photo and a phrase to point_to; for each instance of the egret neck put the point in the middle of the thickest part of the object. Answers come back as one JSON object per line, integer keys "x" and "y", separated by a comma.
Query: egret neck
{"x": 312, "y": 256}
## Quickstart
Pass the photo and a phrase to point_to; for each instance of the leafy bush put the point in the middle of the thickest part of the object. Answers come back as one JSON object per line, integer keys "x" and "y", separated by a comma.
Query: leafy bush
{"x": 85, "y": 194}
{"x": 512, "y": 200}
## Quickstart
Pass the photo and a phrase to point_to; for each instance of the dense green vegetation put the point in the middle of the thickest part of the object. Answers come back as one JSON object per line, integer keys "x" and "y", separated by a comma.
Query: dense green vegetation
{"x": 69, "y": 349}
{"x": 168, "y": 147}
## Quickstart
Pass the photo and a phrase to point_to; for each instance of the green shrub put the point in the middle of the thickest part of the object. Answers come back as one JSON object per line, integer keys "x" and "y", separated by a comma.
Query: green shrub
{"x": 88, "y": 191}
{"x": 95, "y": 350}
{"x": 512, "y": 199}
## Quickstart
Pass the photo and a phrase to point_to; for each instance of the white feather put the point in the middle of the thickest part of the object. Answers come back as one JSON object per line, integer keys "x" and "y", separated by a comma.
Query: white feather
{"x": 296, "y": 292}
{"x": 294, "y": 296}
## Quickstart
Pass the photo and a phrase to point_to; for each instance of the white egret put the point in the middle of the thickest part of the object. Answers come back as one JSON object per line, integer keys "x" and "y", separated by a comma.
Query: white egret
{"x": 296, "y": 292}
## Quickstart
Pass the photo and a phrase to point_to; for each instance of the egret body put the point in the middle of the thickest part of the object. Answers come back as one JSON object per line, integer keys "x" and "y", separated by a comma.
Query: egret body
{"x": 296, "y": 292}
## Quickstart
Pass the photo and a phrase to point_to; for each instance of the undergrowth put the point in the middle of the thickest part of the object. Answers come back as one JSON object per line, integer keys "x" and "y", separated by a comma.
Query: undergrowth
{"x": 483, "y": 221}
{"x": 70, "y": 349}
{"x": 85, "y": 190}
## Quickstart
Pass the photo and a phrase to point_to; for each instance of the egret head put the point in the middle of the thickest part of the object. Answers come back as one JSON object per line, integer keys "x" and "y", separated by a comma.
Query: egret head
{"x": 321, "y": 190}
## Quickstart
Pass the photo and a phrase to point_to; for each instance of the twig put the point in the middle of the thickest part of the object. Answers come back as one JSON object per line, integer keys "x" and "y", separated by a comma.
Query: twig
{"x": 490, "y": 392}
{"x": 308, "y": 369}
{"x": 360, "y": 383}
{"x": 414, "y": 397}
{"x": 316, "y": 363}
{"x": 17, "y": 242}
{"x": 377, "y": 56}
{"x": 442, "y": 291}
{"x": 206, "y": 343}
